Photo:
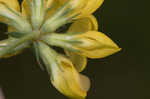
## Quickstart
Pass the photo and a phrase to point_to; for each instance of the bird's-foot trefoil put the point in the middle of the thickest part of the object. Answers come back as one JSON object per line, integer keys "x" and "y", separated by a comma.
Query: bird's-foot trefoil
{"x": 35, "y": 24}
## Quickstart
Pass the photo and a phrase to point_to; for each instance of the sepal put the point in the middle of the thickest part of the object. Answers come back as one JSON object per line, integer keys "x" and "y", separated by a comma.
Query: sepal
{"x": 16, "y": 34}
{"x": 37, "y": 13}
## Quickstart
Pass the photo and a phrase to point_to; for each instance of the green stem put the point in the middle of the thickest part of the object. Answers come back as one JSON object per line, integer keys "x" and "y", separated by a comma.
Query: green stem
{"x": 17, "y": 42}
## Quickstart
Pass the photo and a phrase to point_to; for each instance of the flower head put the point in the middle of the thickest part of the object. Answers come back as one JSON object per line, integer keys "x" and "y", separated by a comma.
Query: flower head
{"x": 35, "y": 26}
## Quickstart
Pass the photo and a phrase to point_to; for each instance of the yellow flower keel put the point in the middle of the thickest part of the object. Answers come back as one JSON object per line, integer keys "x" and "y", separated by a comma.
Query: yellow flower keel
{"x": 64, "y": 76}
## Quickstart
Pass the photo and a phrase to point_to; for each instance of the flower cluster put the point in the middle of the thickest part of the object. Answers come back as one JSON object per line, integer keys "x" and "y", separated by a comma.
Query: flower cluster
{"x": 34, "y": 24}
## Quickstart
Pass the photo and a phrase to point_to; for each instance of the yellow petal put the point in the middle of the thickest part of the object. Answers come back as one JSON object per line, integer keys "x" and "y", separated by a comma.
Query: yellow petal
{"x": 78, "y": 61}
{"x": 68, "y": 81}
{"x": 95, "y": 45}
{"x": 85, "y": 24}
{"x": 75, "y": 4}
{"x": 48, "y": 3}
{"x": 53, "y": 5}
{"x": 13, "y": 4}
{"x": 25, "y": 8}
{"x": 84, "y": 7}
{"x": 90, "y": 7}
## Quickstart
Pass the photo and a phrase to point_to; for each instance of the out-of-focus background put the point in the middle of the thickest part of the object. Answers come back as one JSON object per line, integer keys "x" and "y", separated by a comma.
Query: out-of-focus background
{"x": 125, "y": 75}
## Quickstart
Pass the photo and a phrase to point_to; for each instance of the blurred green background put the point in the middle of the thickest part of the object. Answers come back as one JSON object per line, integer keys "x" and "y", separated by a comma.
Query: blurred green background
{"x": 125, "y": 75}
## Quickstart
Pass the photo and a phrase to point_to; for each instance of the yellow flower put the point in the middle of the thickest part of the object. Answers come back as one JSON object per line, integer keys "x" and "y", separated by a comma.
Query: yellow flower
{"x": 85, "y": 22}
{"x": 64, "y": 76}
{"x": 69, "y": 81}
{"x": 35, "y": 24}
{"x": 95, "y": 45}
{"x": 91, "y": 44}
